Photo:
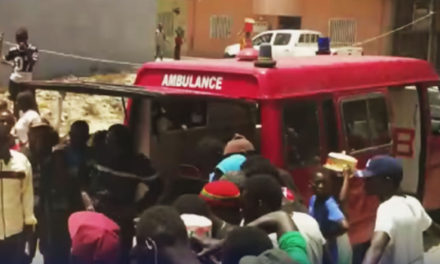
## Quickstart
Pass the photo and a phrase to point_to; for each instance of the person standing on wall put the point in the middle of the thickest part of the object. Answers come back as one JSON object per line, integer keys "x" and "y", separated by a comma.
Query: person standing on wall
{"x": 160, "y": 42}
{"x": 23, "y": 57}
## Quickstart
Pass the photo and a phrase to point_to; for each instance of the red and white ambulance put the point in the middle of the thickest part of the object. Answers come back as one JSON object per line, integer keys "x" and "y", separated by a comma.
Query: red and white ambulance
{"x": 296, "y": 112}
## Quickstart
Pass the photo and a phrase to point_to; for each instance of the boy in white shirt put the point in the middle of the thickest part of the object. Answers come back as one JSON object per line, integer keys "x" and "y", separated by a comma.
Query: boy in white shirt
{"x": 26, "y": 106}
{"x": 401, "y": 219}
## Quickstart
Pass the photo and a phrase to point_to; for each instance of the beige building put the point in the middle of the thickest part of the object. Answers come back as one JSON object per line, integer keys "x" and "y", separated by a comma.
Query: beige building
{"x": 210, "y": 25}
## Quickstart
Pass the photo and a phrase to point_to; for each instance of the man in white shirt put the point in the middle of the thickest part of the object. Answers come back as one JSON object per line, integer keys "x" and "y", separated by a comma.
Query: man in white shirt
{"x": 16, "y": 194}
{"x": 401, "y": 219}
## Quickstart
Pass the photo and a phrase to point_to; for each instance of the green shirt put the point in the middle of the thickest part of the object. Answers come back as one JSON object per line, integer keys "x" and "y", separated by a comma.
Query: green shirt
{"x": 295, "y": 246}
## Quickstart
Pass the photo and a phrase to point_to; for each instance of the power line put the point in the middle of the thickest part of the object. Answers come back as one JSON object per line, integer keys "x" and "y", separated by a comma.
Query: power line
{"x": 78, "y": 57}
{"x": 395, "y": 30}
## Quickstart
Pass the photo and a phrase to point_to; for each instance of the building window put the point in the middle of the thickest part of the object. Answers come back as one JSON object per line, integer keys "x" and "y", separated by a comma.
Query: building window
{"x": 167, "y": 21}
{"x": 308, "y": 38}
{"x": 342, "y": 31}
{"x": 220, "y": 27}
{"x": 366, "y": 123}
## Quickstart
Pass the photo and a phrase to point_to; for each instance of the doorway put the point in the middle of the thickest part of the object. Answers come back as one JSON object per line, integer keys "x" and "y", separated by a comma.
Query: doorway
{"x": 289, "y": 22}
{"x": 407, "y": 132}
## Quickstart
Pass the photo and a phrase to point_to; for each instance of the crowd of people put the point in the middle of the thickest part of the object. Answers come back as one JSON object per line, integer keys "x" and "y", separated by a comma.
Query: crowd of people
{"x": 92, "y": 199}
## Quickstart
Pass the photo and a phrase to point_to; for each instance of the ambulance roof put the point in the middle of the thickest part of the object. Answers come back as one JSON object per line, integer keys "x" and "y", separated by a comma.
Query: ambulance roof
{"x": 290, "y": 77}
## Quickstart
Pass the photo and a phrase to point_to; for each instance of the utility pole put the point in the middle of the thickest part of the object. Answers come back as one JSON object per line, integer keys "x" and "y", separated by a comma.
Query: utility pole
{"x": 432, "y": 41}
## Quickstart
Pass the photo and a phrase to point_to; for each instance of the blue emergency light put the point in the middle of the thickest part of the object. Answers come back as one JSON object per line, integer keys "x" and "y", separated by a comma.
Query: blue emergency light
{"x": 323, "y": 46}
{"x": 265, "y": 59}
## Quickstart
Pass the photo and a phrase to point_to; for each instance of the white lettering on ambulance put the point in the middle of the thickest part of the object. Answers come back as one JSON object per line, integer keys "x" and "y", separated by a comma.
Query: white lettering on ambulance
{"x": 205, "y": 82}
{"x": 189, "y": 81}
{"x": 172, "y": 80}
{"x": 165, "y": 80}
{"x": 179, "y": 81}
{"x": 212, "y": 82}
{"x": 219, "y": 83}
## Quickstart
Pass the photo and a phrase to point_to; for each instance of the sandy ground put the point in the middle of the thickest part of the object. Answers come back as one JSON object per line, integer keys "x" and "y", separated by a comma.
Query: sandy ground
{"x": 99, "y": 111}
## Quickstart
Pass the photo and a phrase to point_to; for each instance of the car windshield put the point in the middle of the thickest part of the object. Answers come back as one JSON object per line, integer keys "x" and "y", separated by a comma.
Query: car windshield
{"x": 266, "y": 38}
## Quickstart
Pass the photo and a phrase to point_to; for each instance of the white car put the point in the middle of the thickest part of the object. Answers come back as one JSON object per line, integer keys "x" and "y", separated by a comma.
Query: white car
{"x": 290, "y": 43}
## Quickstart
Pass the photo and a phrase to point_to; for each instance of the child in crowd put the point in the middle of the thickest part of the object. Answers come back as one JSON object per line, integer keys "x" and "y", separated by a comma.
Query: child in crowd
{"x": 333, "y": 224}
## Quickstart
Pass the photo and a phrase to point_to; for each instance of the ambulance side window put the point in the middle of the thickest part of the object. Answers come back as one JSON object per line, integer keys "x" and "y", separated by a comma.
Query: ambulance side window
{"x": 356, "y": 124}
{"x": 182, "y": 115}
{"x": 301, "y": 134}
{"x": 366, "y": 123}
{"x": 434, "y": 106}
{"x": 379, "y": 123}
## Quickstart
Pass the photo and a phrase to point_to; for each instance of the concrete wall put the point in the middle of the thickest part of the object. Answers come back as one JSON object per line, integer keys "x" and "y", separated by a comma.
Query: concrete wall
{"x": 109, "y": 29}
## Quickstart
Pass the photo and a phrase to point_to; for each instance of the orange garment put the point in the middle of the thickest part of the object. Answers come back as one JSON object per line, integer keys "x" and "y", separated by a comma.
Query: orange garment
{"x": 245, "y": 43}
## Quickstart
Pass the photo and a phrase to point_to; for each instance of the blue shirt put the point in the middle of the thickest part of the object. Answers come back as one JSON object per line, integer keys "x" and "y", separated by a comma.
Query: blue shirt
{"x": 328, "y": 215}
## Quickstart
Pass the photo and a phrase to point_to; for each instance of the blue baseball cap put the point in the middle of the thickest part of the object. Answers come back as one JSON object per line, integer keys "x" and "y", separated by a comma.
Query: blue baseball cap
{"x": 382, "y": 166}
{"x": 231, "y": 163}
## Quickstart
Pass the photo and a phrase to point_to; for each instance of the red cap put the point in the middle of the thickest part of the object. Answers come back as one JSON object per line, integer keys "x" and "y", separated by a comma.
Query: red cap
{"x": 221, "y": 194}
{"x": 94, "y": 237}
